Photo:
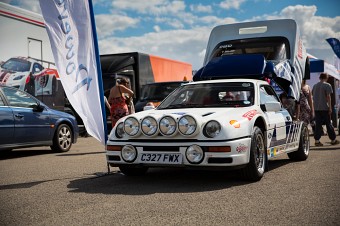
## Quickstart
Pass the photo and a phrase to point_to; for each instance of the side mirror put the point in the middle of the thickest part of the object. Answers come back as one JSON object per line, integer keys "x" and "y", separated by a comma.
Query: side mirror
{"x": 38, "y": 107}
{"x": 272, "y": 106}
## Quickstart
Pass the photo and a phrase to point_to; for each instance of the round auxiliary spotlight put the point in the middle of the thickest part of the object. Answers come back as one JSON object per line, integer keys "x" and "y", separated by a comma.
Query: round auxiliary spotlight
{"x": 187, "y": 125}
{"x": 194, "y": 154}
{"x": 167, "y": 126}
{"x": 129, "y": 153}
{"x": 131, "y": 126}
{"x": 149, "y": 126}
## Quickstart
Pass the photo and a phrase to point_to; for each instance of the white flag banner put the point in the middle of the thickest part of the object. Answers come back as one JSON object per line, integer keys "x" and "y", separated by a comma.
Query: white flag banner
{"x": 75, "y": 50}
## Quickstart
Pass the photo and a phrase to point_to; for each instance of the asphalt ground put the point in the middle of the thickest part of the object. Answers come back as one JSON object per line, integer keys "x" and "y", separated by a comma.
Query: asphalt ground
{"x": 39, "y": 187}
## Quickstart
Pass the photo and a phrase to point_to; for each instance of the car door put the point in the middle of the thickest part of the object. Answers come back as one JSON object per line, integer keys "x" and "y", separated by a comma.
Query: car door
{"x": 30, "y": 126}
{"x": 6, "y": 123}
{"x": 276, "y": 121}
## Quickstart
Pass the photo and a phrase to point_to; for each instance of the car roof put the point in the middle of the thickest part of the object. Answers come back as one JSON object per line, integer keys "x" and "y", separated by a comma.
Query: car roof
{"x": 255, "y": 81}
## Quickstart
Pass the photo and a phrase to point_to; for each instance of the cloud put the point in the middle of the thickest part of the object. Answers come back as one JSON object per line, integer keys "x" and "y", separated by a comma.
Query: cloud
{"x": 182, "y": 45}
{"x": 155, "y": 7}
{"x": 157, "y": 28}
{"x": 33, "y": 6}
{"x": 201, "y": 8}
{"x": 231, "y": 4}
{"x": 313, "y": 29}
{"x": 107, "y": 24}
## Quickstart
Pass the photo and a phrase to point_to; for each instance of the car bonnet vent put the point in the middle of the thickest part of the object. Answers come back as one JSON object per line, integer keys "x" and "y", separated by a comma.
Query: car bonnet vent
{"x": 206, "y": 114}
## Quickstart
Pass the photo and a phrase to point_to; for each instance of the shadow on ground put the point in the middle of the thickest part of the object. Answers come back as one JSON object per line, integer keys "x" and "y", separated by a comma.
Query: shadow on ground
{"x": 163, "y": 180}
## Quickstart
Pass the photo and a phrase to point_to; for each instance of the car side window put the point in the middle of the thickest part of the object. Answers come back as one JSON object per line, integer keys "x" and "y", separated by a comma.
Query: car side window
{"x": 267, "y": 94}
{"x": 17, "y": 98}
{"x": 37, "y": 68}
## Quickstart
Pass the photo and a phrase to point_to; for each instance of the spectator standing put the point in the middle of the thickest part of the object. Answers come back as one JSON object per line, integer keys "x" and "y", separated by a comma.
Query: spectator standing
{"x": 323, "y": 109}
{"x": 117, "y": 100}
{"x": 306, "y": 113}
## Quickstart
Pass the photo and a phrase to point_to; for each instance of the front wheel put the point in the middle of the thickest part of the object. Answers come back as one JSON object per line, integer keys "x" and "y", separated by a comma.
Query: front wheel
{"x": 303, "y": 151}
{"x": 133, "y": 170}
{"x": 255, "y": 169}
{"x": 62, "y": 140}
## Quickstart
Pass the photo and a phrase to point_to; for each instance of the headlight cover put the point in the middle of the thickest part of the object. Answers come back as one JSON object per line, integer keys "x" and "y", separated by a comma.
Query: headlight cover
{"x": 212, "y": 129}
{"x": 194, "y": 154}
{"x": 149, "y": 126}
{"x": 18, "y": 77}
{"x": 129, "y": 153}
{"x": 120, "y": 130}
{"x": 167, "y": 126}
{"x": 187, "y": 125}
{"x": 131, "y": 126}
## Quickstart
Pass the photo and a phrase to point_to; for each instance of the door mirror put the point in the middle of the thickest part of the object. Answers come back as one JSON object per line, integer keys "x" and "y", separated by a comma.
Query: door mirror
{"x": 271, "y": 106}
{"x": 38, "y": 107}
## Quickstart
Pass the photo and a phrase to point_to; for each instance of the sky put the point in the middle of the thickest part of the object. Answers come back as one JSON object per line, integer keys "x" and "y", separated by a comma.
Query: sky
{"x": 180, "y": 30}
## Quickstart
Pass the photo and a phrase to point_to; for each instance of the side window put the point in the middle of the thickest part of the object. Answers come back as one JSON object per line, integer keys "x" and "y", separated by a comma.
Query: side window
{"x": 17, "y": 98}
{"x": 37, "y": 68}
{"x": 267, "y": 94}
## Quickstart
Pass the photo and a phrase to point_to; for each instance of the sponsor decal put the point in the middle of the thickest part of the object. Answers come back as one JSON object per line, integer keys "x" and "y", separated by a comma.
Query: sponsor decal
{"x": 241, "y": 148}
{"x": 250, "y": 114}
{"x": 178, "y": 113}
{"x": 235, "y": 123}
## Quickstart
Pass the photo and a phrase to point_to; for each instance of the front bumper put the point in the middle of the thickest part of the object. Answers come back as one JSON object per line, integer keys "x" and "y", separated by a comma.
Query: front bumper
{"x": 238, "y": 155}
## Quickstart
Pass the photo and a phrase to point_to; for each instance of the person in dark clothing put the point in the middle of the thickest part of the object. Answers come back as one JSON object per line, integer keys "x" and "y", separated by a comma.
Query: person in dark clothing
{"x": 323, "y": 109}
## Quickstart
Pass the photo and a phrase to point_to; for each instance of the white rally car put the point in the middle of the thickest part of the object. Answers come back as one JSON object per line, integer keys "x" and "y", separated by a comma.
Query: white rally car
{"x": 216, "y": 123}
{"x": 28, "y": 74}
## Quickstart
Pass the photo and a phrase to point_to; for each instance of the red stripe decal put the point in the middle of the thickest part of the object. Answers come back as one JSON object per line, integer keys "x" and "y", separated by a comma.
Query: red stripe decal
{"x": 23, "y": 18}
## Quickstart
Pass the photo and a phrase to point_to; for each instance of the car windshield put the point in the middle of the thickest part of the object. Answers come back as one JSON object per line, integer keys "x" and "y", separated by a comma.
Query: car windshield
{"x": 203, "y": 95}
{"x": 15, "y": 64}
{"x": 273, "y": 48}
{"x": 158, "y": 91}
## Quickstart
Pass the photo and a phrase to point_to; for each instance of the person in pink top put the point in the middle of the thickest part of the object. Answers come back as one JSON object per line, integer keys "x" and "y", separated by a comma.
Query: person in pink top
{"x": 117, "y": 100}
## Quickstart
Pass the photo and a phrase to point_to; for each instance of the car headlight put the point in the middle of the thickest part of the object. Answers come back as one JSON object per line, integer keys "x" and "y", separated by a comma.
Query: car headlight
{"x": 149, "y": 126}
{"x": 187, "y": 125}
{"x": 167, "y": 126}
{"x": 18, "y": 77}
{"x": 131, "y": 126}
{"x": 212, "y": 129}
{"x": 194, "y": 154}
{"x": 120, "y": 130}
{"x": 129, "y": 153}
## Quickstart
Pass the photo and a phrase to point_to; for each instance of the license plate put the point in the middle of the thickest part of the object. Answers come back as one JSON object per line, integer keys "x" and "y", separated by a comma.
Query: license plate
{"x": 165, "y": 158}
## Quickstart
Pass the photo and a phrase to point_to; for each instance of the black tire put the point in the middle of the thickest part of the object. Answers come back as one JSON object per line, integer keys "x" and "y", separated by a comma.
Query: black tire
{"x": 54, "y": 86}
{"x": 255, "y": 169}
{"x": 30, "y": 87}
{"x": 62, "y": 140}
{"x": 133, "y": 170}
{"x": 303, "y": 151}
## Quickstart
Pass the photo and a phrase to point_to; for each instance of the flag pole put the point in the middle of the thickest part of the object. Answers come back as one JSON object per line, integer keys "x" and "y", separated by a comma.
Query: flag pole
{"x": 99, "y": 70}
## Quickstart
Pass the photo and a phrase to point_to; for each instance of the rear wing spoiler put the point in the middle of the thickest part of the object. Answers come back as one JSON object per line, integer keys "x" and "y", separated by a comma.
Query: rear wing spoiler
{"x": 43, "y": 61}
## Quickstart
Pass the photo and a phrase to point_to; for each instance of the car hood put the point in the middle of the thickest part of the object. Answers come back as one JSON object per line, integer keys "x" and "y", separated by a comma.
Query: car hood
{"x": 5, "y": 74}
{"x": 60, "y": 113}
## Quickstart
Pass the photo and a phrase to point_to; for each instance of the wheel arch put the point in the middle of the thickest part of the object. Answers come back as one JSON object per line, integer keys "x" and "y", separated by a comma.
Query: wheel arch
{"x": 67, "y": 122}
